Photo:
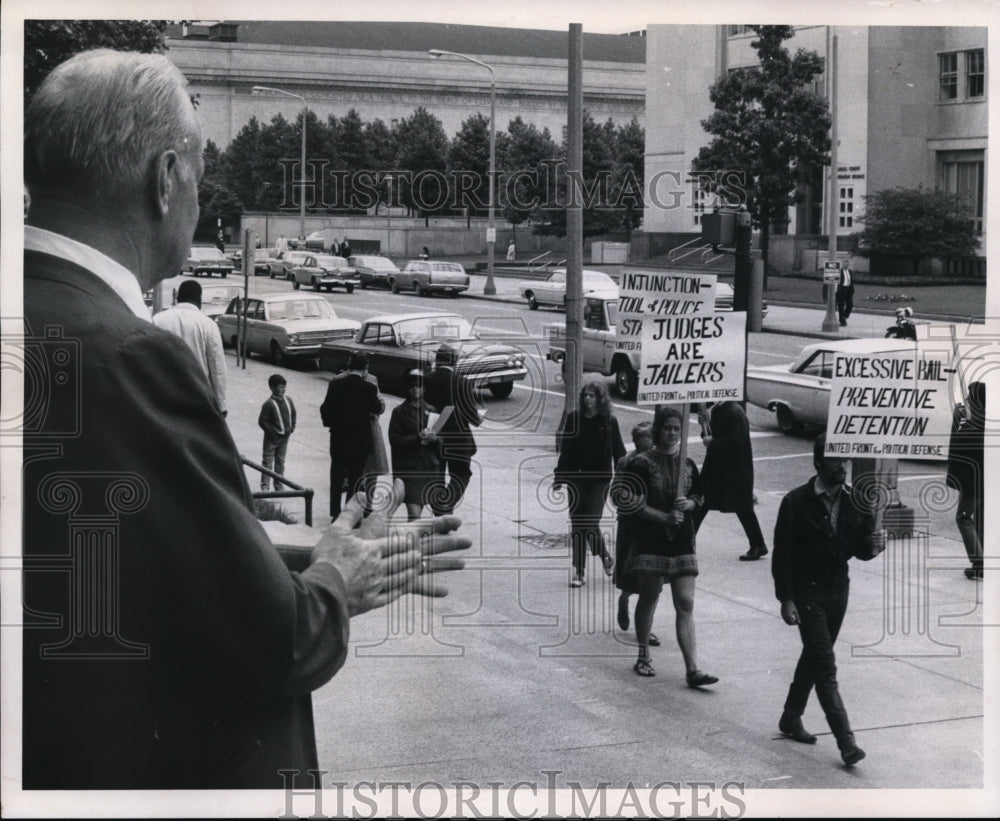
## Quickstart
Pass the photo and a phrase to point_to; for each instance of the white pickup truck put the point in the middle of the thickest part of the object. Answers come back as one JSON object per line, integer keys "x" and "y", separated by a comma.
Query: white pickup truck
{"x": 600, "y": 320}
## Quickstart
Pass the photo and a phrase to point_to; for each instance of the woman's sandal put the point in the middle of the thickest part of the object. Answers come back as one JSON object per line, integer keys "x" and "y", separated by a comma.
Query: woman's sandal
{"x": 644, "y": 668}
{"x": 699, "y": 679}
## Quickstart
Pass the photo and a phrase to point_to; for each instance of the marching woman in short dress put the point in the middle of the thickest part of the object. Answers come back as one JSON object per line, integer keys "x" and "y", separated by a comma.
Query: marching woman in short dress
{"x": 664, "y": 548}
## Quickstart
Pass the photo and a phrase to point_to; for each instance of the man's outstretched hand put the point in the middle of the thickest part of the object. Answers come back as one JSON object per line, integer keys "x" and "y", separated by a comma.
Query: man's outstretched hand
{"x": 382, "y": 559}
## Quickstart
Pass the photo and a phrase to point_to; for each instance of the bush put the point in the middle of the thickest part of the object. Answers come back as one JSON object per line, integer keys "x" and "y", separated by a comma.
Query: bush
{"x": 268, "y": 511}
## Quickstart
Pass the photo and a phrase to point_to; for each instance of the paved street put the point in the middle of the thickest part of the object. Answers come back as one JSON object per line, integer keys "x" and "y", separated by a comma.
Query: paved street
{"x": 515, "y": 675}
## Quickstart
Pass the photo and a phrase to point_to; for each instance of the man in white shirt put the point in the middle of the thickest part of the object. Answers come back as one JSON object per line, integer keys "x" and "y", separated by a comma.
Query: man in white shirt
{"x": 201, "y": 334}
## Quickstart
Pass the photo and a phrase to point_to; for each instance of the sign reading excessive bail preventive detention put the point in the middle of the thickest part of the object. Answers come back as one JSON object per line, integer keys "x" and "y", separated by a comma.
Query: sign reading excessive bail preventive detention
{"x": 690, "y": 353}
{"x": 669, "y": 294}
{"x": 891, "y": 404}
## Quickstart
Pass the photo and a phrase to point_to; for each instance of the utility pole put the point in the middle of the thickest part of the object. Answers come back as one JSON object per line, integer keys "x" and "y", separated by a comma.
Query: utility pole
{"x": 574, "y": 220}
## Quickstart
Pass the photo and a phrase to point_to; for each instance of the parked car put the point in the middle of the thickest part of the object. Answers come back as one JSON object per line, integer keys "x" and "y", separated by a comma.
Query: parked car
{"x": 215, "y": 298}
{"x": 324, "y": 271}
{"x": 284, "y": 325}
{"x": 799, "y": 392}
{"x": 280, "y": 265}
{"x": 552, "y": 291}
{"x": 428, "y": 276}
{"x": 374, "y": 270}
{"x": 207, "y": 260}
{"x": 399, "y": 343}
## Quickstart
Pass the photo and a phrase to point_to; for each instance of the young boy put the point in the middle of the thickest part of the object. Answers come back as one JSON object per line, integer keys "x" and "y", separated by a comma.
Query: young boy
{"x": 277, "y": 420}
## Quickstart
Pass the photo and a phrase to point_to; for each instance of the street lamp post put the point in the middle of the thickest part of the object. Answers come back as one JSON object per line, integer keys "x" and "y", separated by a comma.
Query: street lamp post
{"x": 491, "y": 231}
{"x": 302, "y": 161}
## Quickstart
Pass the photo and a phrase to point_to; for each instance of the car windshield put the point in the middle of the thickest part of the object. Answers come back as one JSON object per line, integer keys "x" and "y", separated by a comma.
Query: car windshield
{"x": 301, "y": 309}
{"x": 597, "y": 280}
{"x": 558, "y": 276}
{"x": 377, "y": 263}
{"x": 331, "y": 261}
{"x": 207, "y": 253}
{"x": 218, "y": 294}
{"x": 433, "y": 328}
{"x": 449, "y": 267}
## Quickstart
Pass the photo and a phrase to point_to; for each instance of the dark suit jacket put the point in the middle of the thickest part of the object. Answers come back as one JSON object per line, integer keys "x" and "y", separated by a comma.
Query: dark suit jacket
{"x": 444, "y": 387}
{"x": 810, "y": 558}
{"x": 171, "y": 647}
{"x": 346, "y": 411}
{"x": 727, "y": 473}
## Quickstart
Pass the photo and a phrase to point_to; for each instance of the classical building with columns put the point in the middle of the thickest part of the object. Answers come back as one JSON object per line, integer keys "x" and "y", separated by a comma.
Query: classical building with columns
{"x": 383, "y": 70}
{"x": 911, "y": 109}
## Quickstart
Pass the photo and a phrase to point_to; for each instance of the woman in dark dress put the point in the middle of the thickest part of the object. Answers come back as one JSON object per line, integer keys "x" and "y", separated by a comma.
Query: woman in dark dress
{"x": 664, "y": 546}
{"x": 414, "y": 448}
{"x": 590, "y": 444}
{"x": 727, "y": 474}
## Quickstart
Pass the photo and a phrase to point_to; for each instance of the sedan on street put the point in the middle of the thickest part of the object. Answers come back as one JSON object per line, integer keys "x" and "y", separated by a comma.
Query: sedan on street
{"x": 280, "y": 265}
{"x": 552, "y": 291}
{"x": 324, "y": 271}
{"x": 207, "y": 260}
{"x": 396, "y": 344}
{"x": 374, "y": 270}
{"x": 799, "y": 392}
{"x": 285, "y": 325}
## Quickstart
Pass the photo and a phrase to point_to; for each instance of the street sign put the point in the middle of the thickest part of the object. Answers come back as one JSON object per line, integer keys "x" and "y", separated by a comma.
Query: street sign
{"x": 831, "y": 272}
{"x": 491, "y": 234}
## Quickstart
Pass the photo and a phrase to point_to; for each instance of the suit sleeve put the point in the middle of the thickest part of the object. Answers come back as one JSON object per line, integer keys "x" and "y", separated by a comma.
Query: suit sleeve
{"x": 241, "y": 619}
{"x": 617, "y": 445}
{"x": 217, "y": 369}
{"x": 326, "y": 409}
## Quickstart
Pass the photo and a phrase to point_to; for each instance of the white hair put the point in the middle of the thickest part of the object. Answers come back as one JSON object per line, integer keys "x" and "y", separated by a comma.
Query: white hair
{"x": 99, "y": 120}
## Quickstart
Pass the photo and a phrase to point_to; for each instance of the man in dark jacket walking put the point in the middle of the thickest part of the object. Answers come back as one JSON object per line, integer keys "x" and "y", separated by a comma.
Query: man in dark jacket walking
{"x": 965, "y": 474}
{"x": 727, "y": 474}
{"x": 820, "y": 526}
{"x": 445, "y": 388}
{"x": 350, "y": 400}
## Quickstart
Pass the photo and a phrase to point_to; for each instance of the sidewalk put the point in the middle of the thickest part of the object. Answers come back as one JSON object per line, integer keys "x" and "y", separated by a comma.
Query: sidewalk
{"x": 515, "y": 675}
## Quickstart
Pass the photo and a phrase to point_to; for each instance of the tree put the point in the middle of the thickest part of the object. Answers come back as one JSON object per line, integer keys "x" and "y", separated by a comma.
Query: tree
{"x": 469, "y": 164}
{"x": 769, "y": 126}
{"x": 599, "y": 216}
{"x": 520, "y": 158}
{"x": 381, "y": 144}
{"x": 354, "y": 156}
{"x": 422, "y": 150}
{"x": 629, "y": 173}
{"x": 915, "y": 224}
{"x": 47, "y": 43}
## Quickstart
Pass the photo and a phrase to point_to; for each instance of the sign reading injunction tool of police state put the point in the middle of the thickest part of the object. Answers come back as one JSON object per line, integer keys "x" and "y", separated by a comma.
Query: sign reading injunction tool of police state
{"x": 690, "y": 353}
{"x": 891, "y": 404}
{"x": 672, "y": 297}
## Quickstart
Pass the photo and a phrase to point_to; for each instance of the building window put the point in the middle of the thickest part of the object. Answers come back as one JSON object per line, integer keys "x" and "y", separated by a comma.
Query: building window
{"x": 736, "y": 31}
{"x": 970, "y": 64}
{"x": 975, "y": 73}
{"x": 702, "y": 200}
{"x": 961, "y": 173}
{"x": 846, "y": 206}
{"x": 948, "y": 71}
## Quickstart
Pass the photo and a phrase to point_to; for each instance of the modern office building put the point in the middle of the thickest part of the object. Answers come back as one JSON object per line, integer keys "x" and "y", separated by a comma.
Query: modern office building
{"x": 911, "y": 110}
{"x": 383, "y": 70}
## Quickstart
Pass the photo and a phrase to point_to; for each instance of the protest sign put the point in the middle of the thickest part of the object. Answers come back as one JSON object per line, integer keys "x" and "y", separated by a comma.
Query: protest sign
{"x": 667, "y": 294}
{"x": 891, "y": 404}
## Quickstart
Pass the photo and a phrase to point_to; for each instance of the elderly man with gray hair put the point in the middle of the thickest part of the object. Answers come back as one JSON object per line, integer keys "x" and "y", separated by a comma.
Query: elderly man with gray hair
{"x": 176, "y": 647}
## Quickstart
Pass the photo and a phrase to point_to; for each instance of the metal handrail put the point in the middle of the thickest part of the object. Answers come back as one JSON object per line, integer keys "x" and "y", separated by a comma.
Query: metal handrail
{"x": 306, "y": 493}
{"x": 670, "y": 253}
{"x": 533, "y": 260}
{"x": 705, "y": 253}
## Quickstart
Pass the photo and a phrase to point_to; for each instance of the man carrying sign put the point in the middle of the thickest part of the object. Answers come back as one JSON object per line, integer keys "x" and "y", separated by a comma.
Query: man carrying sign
{"x": 820, "y": 526}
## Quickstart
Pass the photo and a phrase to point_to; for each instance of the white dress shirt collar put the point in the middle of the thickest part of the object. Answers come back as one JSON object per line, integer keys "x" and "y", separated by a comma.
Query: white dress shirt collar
{"x": 116, "y": 276}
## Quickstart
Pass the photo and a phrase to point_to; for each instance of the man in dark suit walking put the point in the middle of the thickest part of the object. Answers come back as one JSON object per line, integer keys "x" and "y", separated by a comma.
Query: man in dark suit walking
{"x": 845, "y": 295}
{"x": 350, "y": 400}
{"x": 445, "y": 388}
{"x": 174, "y": 647}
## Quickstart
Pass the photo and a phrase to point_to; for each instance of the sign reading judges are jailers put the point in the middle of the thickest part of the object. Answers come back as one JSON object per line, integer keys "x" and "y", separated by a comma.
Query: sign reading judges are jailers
{"x": 891, "y": 404}
{"x": 690, "y": 353}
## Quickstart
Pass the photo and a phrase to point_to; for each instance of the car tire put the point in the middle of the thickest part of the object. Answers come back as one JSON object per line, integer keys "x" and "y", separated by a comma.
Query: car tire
{"x": 233, "y": 341}
{"x": 502, "y": 390}
{"x": 362, "y": 285}
{"x": 350, "y": 289}
{"x": 277, "y": 354}
{"x": 394, "y": 286}
{"x": 787, "y": 423}
{"x": 626, "y": 380}
{"x": 296, "y": 284}
{"x": 270, "y": 273}
{"x": 316, "y": 286}
{"x": 225, "y": 274}
{"x": 532, "y": 302}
